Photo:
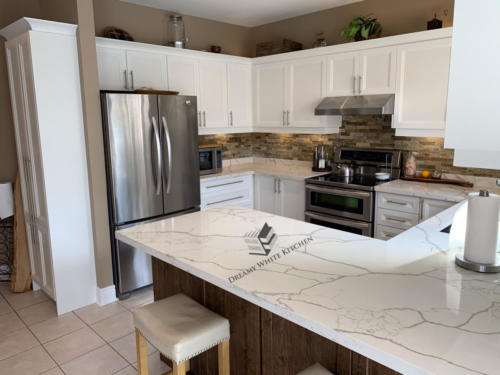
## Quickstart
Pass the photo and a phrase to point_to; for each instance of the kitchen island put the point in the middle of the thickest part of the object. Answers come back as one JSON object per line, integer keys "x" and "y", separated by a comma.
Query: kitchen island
{"x": 356, "y": 304}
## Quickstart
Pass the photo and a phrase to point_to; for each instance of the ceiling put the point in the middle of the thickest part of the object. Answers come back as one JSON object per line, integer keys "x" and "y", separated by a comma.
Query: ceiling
{"x": 249, "y": 13}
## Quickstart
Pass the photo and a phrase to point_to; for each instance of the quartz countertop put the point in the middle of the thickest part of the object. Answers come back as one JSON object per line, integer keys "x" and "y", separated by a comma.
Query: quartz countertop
{"x": 403, "y": 302}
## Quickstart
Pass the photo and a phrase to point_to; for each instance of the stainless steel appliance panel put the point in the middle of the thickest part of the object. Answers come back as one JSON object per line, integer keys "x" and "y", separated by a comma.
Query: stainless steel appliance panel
{"x": 134, "y": 155}
{"x": 346, "y": 203}
{"x": 346, "y": 225}
{"x": 133, "y": 266}
{"x": 181, "y": 168}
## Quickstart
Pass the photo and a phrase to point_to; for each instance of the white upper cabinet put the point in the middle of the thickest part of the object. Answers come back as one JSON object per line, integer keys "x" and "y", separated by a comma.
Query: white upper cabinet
{"x": 342, "y": 74}
{"x": 422, "y": 87}
{"x": 183, "y": 75}
{"x": 147, "y": 70}
{"x": 239, "y": 87}
{"x": 377, "y": 71}
{"x": 368, "y": 72}
{"x": 213, "y": 94}
{"x": 269, "y": 95}
{"x": 306, "y": 88}
{"x": 112, "y": 65}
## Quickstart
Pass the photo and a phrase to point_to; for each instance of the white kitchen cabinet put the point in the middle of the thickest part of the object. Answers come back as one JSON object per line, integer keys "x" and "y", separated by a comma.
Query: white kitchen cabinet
{"x": 305, "y": 89}
{"x": 147, "y": 70}
{"x": 372, "y": 71}
{"x": 270, "y": 95}
{"x": 44, "y": 80}
{"x": 112, "y": 68}
{"x": 213, "y": 94}
{"x": 422, "y": 88}
{"x": 239, "y": 88}
{"x": 237, "y": 191}
{"x": 431, "y": 207}
{"x": 183, "y": 74}
{"x": 280, "y": 196}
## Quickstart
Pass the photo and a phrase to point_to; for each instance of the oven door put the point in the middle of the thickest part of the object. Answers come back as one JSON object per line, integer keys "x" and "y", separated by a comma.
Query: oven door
{"x": 357, "y": 227}
{"x": 352, "y": 204}
{"x": 208, "y": 161}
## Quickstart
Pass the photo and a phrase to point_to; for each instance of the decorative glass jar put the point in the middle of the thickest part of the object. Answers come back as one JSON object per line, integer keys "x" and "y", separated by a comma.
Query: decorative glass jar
{"x": 411, "y": 164}
{"x": 176, "y": 34}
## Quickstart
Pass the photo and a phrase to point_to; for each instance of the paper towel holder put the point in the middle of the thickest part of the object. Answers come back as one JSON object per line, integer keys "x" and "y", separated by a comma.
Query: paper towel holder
{"x": 477, "y": 267}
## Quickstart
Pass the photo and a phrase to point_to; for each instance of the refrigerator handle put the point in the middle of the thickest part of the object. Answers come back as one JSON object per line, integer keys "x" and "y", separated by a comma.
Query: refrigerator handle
{"x": 158, "y": 156}
{"x": 169, "y": 153}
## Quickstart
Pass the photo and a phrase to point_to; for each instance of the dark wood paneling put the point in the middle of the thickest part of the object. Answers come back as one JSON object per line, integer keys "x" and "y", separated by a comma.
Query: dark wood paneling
{"x": 261, "y": 342}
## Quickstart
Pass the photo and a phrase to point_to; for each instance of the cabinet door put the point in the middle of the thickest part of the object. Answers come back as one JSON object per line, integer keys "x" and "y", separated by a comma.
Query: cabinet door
{"x": 265, "y": 193}
{"x": 112, "y": 67}
{"x": 239, "y": 87}
{"x": 306, "y": 87}
{"x": 269, "y": 95}
{"x": 431, "y": 207}
{"x": 213, "y": 94}
{"x": 377, "y": 71}
{"x": 342, "y": 73}
{"x": 422, "y": 85}
{"x": 183, "y": 75}
{"x": 291, "y": 197}
{"x": 147, "y": 70}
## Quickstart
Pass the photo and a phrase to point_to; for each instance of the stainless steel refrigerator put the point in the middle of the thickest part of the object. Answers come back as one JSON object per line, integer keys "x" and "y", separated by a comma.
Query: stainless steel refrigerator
{"x": 152, "y": 167}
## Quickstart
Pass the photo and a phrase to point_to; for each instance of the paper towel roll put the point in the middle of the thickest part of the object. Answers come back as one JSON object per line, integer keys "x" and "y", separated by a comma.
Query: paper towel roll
{"x": 481, "y": 233}
{"x": 6, "y": 200}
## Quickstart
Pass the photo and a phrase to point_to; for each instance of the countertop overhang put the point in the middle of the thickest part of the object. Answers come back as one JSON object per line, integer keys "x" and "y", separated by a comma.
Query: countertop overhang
{"x": 402, "y": 303}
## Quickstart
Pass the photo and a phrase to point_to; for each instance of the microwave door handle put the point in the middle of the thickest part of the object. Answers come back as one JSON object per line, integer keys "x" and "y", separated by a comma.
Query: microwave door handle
{"x": 169, "y": 153}
{"x": 344, "y": 193}
{"x": 158, "y": 155}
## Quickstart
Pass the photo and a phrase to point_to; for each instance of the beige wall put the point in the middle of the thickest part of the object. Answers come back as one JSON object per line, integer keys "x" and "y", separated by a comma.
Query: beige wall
{"x": 396, "y": 16}
{"x": 10, "y": 11}
{"x": 148, "y": 25}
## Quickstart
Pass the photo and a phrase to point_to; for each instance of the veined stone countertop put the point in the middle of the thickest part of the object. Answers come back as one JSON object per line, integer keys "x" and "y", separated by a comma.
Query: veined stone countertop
{"x": 403, "y": 302}
{"x": 291, "y": 169}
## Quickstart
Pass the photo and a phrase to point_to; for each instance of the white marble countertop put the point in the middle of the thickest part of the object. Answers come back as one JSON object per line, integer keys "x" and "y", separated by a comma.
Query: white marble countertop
{"x": 402, "y": 303}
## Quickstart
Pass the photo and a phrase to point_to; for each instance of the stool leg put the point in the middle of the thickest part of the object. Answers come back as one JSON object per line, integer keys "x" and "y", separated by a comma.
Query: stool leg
{"x": 142, "y": 353}
{"x": 181, "y": 368}
{"x": 223, "y": 352}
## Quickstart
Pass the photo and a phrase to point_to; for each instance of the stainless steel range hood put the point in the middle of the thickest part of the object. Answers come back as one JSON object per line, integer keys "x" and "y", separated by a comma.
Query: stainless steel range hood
{"x": 356, "y": 105}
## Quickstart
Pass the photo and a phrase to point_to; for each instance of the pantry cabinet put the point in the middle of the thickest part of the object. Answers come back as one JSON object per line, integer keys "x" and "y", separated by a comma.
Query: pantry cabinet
{"x": 44, "y": 81}
{"x": 280, "y": 196}
{"x": 371, "y": 71}
{"x": 422, "y": 88}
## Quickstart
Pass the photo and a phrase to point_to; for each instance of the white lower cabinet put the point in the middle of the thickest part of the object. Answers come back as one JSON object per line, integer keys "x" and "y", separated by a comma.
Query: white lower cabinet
{"x": 279, "y": 196}
{"x": 237, "y": 191}
{"x": 395, "y": 213}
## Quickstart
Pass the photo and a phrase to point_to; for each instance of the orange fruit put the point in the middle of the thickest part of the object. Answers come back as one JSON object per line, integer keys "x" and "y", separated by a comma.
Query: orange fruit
{"x": 426, "y": 173}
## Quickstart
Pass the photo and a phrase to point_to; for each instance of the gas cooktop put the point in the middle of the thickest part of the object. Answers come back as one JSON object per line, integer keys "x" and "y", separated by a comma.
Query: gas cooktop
{"x": 359, "y": 182}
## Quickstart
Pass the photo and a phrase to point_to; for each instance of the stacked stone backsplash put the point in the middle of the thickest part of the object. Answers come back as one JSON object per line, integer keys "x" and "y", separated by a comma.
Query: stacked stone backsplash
{"x": 356, "y": 131}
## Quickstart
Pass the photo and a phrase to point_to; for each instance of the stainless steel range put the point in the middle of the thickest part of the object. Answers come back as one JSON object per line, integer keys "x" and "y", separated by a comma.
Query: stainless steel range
{"x": 345, "y": 199}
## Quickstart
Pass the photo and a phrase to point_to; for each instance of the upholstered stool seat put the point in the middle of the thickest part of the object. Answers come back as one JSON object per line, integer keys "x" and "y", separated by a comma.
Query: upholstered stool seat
{"x": 315, "y": 369}
{"x": 180, "y": 328}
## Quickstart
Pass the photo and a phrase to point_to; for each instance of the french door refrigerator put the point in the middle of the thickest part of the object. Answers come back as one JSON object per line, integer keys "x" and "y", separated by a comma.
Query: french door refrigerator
{"x": 152, "y": 167}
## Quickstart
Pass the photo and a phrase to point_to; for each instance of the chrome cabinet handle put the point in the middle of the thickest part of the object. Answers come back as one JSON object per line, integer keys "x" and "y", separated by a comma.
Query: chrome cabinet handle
{"x": 126, "y": 79}
{"x": 225, "y": 200}
{"x": 204, "y": 119}
{"x": 231, "y": 118}
{"x": 279, "y": 185}
{"x": 284, "y": 118}
{"x": 275, "y": 186}
{"x": 354, "y": 84}
{"x": 288, "y": 118}
{"x": 132, "y": 80}
{"x": 225, "y": 184}
{"x": 359, "y": 83}
{"x": 169, "y": 153}
{"x": 158, "y": 155}
{"x": 200, "y": 124}
{"x": 394, "y": 219}
{"x": 399, "y": 203}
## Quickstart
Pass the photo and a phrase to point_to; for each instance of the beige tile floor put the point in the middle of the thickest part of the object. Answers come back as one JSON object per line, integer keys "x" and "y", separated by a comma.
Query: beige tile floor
{"x": 97, "y": 340}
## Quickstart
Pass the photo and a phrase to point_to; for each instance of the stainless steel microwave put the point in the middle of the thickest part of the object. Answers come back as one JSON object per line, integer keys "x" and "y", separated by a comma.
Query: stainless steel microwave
{"x": 210, "y": 159}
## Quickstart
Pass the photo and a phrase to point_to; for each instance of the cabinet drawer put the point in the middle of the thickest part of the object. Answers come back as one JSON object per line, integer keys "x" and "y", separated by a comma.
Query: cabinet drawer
{"x": 226, "y": 185}
{"x": 396, "y": 219}
{"x": 220, "y": 192}
{"x": 383, "y": 232}
{"x": 398, "y": 202}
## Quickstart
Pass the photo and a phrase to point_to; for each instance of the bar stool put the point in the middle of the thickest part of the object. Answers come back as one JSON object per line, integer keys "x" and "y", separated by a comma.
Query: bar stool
{"x": 180, "y": 328}
{"x": 315, "y": 369}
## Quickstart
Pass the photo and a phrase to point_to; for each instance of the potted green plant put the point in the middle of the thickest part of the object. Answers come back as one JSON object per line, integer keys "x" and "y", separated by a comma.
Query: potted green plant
{"x": 362, "y": 28}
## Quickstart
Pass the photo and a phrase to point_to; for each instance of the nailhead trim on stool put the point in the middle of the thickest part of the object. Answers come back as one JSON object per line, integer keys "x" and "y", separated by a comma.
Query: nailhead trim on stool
{"x": 315, "y": 369}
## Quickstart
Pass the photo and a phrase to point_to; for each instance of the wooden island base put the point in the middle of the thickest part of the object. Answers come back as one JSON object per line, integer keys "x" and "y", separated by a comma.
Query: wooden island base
{"x": 261, "y": 342}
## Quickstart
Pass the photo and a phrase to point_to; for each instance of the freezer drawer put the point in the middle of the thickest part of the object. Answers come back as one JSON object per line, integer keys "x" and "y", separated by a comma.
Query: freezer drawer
{"x": 133, "y": 267}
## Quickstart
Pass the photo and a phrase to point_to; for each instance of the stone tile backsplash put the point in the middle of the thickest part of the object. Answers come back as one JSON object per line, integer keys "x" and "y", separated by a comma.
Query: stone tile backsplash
{"x": 356, "y": 131}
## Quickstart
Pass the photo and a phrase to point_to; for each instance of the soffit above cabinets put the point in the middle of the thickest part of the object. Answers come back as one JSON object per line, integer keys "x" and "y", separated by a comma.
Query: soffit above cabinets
{"x": 243, "y": 12}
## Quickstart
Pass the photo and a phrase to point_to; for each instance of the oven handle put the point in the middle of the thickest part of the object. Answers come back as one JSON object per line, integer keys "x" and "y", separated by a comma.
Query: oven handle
{"x": 346, "y": 193}
{"x": 329, "y": 219}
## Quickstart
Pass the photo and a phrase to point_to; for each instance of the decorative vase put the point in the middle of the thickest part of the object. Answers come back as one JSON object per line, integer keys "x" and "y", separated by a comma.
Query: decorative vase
{"x": 411, "y": 165}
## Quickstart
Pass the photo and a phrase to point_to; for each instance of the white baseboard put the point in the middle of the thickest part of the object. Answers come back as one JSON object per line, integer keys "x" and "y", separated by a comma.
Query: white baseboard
{"x": 106, "y": 295}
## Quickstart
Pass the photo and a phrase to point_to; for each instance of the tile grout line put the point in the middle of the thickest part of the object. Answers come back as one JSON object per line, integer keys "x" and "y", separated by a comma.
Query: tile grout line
{"x": 36, "y": 338}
